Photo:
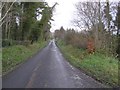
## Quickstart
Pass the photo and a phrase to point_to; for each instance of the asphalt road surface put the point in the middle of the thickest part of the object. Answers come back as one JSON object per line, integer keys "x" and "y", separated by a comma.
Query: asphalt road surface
{"x": 48, "y": 69}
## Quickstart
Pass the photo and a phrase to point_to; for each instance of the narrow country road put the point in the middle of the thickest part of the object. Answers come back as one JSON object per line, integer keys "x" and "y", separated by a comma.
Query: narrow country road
{"x": 48, "y": 69}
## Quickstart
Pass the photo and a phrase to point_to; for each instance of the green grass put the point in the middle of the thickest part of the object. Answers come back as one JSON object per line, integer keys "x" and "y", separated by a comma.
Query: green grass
{"x": 97, "y": 65}
{"x": 14, "y": 55}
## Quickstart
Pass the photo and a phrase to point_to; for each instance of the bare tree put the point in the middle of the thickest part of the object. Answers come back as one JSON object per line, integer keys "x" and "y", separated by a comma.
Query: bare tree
{"x": 7, "y": 11}
{"x": 88, "y": 14}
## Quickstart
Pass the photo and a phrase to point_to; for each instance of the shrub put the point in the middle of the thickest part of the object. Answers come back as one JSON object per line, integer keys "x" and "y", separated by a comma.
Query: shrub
{"x": 6, "y": 42}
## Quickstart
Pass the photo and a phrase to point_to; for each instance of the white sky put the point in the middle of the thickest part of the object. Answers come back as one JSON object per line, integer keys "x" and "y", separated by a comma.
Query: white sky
{"x": 63, "y": 14}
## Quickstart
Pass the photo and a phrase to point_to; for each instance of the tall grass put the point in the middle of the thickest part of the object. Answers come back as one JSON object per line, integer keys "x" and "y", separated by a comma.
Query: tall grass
{"x": 14, "y": 55}
{"x": 97, "y": 65}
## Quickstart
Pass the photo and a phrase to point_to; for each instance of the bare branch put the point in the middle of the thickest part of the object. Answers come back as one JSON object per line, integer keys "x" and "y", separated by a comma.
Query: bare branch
{"x": 2, "y": 6}
{"x": 7, "y": 11}
{"x": 2, "y": 23}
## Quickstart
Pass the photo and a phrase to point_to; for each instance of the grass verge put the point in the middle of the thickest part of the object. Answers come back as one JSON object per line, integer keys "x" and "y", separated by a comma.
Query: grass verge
{"x": 97, "y": 65}
{"x": 14, "y": 55}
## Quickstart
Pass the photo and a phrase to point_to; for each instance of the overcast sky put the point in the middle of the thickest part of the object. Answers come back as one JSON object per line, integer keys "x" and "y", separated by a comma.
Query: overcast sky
{"x": 63, "y": 14}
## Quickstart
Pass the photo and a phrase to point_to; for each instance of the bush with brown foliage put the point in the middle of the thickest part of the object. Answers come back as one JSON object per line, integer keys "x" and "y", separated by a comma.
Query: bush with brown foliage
{"x": 90, "y": 46}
